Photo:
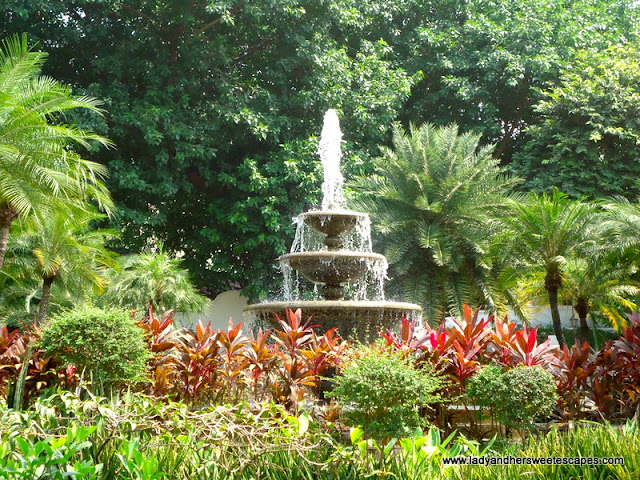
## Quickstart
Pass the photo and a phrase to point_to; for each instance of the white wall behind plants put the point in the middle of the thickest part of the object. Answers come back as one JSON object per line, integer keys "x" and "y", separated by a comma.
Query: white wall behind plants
{"x": 539, "y": 315}
{"x": 226, "y": 305}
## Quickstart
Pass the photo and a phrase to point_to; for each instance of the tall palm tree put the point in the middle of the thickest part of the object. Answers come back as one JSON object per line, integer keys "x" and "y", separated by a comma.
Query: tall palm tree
{"x": 434, "y": 198}
{"x": 541, "y": 234}
{"x": 36, "y": 161}
{"x": 67, "y": 250}
{"x": 156, "y": 278}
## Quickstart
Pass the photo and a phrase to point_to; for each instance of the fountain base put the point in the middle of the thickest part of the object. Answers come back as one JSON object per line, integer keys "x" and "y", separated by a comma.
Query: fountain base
{"x": 361, "y": 320}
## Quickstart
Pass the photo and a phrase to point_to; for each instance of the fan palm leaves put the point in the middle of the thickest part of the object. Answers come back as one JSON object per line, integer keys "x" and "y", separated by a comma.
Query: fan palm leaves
{"x": 541, "y": 233}
{"x": 434, "y": 198}
{"x": 37, "y": 162}
{"x": 155, "y": 278}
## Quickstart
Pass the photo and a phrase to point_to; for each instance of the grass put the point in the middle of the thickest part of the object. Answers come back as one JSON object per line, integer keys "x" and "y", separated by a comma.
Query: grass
{"x": 588, "y": 440}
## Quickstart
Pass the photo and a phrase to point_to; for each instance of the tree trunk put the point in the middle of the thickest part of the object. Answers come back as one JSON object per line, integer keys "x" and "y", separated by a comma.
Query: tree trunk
{"x": 582, "y": 308}
{"x": 555, "y": 314}
{"x": 7, "y": 216}
{"x": 46, "y": 295}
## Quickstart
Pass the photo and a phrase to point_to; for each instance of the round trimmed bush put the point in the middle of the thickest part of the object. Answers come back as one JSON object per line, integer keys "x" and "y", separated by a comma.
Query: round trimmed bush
{"x": 519, "y": 396}
{"x": 381, "y": 392}
{"x": 107, "y": 345}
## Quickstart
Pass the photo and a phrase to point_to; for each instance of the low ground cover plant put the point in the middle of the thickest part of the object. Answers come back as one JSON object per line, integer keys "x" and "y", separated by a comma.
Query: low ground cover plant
{"x": 589, "y": 440}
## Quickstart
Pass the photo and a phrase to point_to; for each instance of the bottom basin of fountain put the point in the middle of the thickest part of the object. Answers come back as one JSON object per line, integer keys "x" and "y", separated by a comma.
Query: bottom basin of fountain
{"x": 360, "y": 320}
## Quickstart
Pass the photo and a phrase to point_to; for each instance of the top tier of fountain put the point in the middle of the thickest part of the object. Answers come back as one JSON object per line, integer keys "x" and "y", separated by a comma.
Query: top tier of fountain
{"x": 334, "y": 266}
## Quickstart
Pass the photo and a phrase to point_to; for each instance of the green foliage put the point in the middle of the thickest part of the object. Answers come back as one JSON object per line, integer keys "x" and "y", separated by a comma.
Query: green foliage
{"x": 416, "y": 457}
{"x": 519, "y": 396}
{"x": 53, "y": 458}
{"x": 434, "y": 198}
{"x": 540, "y": 234}
{"x": 55, "y": 256}
{"x": 241, "y": 442}
{"x": 485, "y": 61}
{"x": 37, "y": 159}
{"x": 585, "y": 139}
{"x": 482, "y": 388}
{"x": 107, "y": 346}
{"x": 153, "y": 277}
{"x": 217, "y": 103}
{"x": 380, "y": 391}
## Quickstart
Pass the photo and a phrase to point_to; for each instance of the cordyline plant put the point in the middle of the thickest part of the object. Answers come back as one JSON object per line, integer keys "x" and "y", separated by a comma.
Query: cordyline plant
{"x": 20, "y": 387}
{"x": 603, "y": 384}
{"x": 573, "y": 369}
{"x": 211, "y": 366}
{"x": 162, "y": 338}
{"x": 305, "y": 357}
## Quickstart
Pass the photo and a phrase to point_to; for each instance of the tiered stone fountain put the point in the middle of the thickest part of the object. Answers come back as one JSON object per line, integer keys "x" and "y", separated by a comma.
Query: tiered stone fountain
{"x": 342, "y": 261}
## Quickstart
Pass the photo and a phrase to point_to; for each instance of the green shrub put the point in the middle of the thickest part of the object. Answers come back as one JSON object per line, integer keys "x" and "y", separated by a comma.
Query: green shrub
{"x": 482, "y": 386}
{"x": 519, "y": 396}
{"x": 381, "y": 392}
{"x": 107, "y": 345}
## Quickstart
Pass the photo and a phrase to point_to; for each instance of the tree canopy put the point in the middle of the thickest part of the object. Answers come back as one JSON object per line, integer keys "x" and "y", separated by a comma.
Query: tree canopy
{"x": 585, "y": 141}
{"x": 215, "y": 105}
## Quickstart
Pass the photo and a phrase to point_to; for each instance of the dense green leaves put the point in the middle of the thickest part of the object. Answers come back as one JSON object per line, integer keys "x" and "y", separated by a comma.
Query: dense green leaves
{"x": 519, "y": 396}
{"x": 434, "y": 199}
{"x": 213, "y": 106}
{"x": 106, "y": 346}
{"x": 380, "y": 391}
{"x": 586, "y": 138}
{"x": 484, "y": 61}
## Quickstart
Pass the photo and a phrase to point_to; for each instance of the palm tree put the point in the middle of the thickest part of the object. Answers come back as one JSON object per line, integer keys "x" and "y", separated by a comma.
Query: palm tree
{"x": 67, "y": 250}
{"x": 156, "y": 278}
{"x": 600, "y": 285}
{"x": 434, "y": 198}
{"x": 541, "y": 233}
{"x": 36, "y": 161}
{"x": 622, "y": 224}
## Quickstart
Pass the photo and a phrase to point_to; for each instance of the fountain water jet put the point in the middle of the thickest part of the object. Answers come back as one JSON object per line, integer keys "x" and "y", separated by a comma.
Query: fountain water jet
{"x": 335, "y": 264}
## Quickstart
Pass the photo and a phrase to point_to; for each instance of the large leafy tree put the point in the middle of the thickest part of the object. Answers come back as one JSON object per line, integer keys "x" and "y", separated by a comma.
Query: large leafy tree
{"x": 214, "y": 106}
{"x": 434, "y": 198}
{"x": 585, "y": 141}
{"x": 541, "y": 233}
{"x": 37, "y": 162}
{"x": 484, "y": 62}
